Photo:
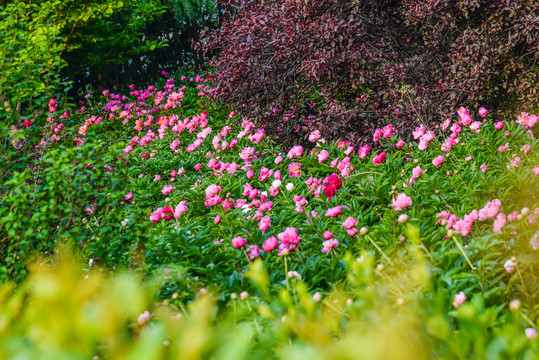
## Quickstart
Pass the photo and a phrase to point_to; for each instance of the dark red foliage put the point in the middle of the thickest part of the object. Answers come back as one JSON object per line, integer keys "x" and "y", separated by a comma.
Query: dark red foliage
{"x": 346, "y": 67}
{"x": 333, "y": 183}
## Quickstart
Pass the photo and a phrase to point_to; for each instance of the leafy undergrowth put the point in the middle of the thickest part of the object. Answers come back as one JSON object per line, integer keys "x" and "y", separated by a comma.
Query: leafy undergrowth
{"x": 434, "y": 241}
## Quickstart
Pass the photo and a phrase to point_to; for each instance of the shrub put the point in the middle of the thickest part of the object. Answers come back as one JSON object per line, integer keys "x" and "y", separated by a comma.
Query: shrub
{"x": 347, "y": 67}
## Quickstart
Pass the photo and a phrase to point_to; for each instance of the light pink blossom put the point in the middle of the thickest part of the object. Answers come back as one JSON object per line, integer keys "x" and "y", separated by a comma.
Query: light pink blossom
{"x": 402, "y": 201}
{"x": 323, "y": 156}
{"x": 349, "y": 223}
{"x": 459, "y": 299}
{"x": 437, "y": 161}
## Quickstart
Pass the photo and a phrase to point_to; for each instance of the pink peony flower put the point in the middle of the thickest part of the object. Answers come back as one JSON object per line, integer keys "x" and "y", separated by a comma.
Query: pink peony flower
{"x": 329, "y": 245}
{"x": 402, "y": 201}
{"x": 377, "y": 134}
{"x": 327, "y": 235}
{"x": 499, "y": 223}
{"x": 531, "y": 333}
{"x": 400, "y": 144}
{"x": 301, "y": 202}
{"x": 253, "y": 252}
{"x": 296, "y": 151}
{"x": 334, "y": 211}
{"x": 167, "y": 189}
{"x": 270, "y": 244}
{"x": 490, "y": 210}
{"x": 156, "y": 215}
{"x": 503, "y": 147}
{"x": 510, "y": 266}
{"x": 363, "y": 151}
{"x": 416, "y": 172}
{"x": 247, "y": 154}
{"x": 499, "y": 125}
{"x": 465, "y": 118}
{"x": 476, "y": 125}
{"x": 180, "y": 209}
{"x": 217, "y": 219}
{"x": 513, "y": 216}
{"x": 323, "y": 156}
{"x": 333, "y": 183}
{"x": 289, "y": 237}
{"x": 483, "y": 112}
{"x": 438, "y": 161}
{"x": 239, "y": 242}
{"x": 314, "y": 136}
{"x": 459, "y": 299}
{"x": 388, "y": 130}
{"x": 379, "y": 158}
{"x": 198, "y": 167}
{"x": 419, "y": 131}
{"x": 349, "y": 223}
{"x": 483, "y": 167}
{"x": 129, "y": 196}
{"x": 294, "y": 169}
{"x": 264, "y": 223}
{"x": 352, "y": 232}
{"x": 212, "y": 190}
{"x": 278, "y": 159}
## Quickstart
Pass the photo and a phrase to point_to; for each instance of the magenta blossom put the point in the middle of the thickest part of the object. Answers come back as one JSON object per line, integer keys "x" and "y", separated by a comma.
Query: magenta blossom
{"x": 402, "y": 201}
{"x": 334, "y": 211}
{"x": 156, "y": 215}
{"x": 388, "y": 131}
{"x": 363, "y": 151}
{"x": 264, "y": 224}
{"x": 377, "y": 134}
{"x": 294, "y": 169}
{"x": 239, "y": 242}
{"x": 167, "y": 189}
{"x": 379, "y": 158}
{"x": 289, "y": 238}
{"x": 270, "y": 244}
{"x": 253, "y": 252}
{"x": 483, "y": 112}
{"x": 465, "y": 118}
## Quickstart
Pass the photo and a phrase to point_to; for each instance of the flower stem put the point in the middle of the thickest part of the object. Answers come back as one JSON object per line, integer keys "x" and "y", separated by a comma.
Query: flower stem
{"x": 379, "y": 250}
{"x": 463, "y": 253}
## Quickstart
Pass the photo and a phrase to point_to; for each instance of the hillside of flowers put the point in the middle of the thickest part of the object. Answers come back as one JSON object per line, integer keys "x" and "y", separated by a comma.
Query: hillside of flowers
{"x": 238, "y": 247}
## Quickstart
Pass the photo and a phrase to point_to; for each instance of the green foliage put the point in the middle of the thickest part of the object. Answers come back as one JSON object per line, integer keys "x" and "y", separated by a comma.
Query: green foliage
{"x": 101, "y": 186}
{"x": 30, "y": 59}
{"x": 75, "y": 313}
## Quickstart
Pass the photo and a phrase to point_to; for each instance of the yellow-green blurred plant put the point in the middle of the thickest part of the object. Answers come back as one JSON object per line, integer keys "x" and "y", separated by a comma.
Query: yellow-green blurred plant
{"x": 62, "y": 311}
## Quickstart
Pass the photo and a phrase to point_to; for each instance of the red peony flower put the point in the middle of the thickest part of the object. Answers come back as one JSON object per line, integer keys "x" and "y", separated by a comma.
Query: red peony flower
{"x": 333, "y": 183}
